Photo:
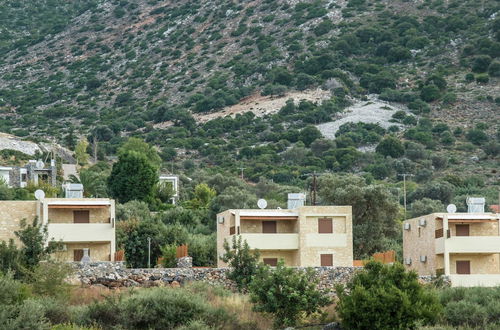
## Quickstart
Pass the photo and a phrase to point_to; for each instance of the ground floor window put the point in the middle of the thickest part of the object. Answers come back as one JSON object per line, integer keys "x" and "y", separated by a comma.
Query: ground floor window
{"x": 463, "y": 267}
{"x": 326, "y": 260}
{"x": 271, "y": 261}
{"x": 78, "y": 254}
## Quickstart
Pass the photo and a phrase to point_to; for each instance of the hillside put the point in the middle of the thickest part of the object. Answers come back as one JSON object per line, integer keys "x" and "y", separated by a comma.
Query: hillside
{"x": 170, "y": 71}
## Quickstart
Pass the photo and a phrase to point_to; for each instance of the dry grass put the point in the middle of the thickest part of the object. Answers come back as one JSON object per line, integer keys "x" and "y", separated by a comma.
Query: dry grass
{"x": 87, "y": 295}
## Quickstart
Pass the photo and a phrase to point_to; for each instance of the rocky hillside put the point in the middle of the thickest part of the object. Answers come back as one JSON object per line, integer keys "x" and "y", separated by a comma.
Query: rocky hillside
{"x": 171, "y": 71}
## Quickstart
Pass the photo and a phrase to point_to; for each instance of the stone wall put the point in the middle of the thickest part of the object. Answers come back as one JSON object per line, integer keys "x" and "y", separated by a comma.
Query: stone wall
{"x": 116, "y": 275}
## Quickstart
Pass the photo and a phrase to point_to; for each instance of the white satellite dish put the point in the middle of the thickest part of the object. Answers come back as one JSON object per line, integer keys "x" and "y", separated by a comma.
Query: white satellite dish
{"x": 452, "y": 208}
{"x": 39, "y": 194}
{"x": 262, "y": 203}
{"x": 39, "y": 165}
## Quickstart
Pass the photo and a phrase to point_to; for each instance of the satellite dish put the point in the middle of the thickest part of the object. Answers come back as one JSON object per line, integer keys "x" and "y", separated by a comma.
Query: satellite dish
{"x": 39, "y": 165}
{"x": 452, "y": 208}
{"x": 39, "y": 194}
{"x": 262, "y": 203}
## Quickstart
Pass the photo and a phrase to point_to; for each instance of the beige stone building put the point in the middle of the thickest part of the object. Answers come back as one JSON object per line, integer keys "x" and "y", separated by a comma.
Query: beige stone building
{"x": 86, "y": 226}
{"x": 463, "y": 246}
{"x": 304, "y": 236}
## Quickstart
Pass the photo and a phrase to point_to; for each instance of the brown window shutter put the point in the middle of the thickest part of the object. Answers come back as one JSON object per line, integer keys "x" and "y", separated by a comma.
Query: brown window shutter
{"x": 81, "y": 216}
{"x": 232, "y": 230}
{"x": 463, "y": 266}
{"x": 462, "y": 230}
{"x": 77, "y": 255}
{"x": 326, "y": 260}
{"x": 269, "y": 227}
{"x": 325, "y": 226}
{"x": 271, "y": 261}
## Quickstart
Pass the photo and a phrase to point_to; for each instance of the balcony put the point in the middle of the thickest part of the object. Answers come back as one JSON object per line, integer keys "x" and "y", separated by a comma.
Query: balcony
{"x": 81, "y": 232}
{"x": 469, "y": 244}
{"x": 272, "y": 241}
{"x": 487, "y": 280}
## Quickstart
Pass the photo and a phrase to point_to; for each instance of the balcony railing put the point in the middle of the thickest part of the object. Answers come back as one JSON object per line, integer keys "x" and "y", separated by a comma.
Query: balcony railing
{"x": 81, "y": 232}
{"x": 272, "y": 241}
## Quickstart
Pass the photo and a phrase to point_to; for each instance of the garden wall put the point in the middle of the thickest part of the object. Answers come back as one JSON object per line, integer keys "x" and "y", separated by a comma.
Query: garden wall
{"x": 115, "y": 275}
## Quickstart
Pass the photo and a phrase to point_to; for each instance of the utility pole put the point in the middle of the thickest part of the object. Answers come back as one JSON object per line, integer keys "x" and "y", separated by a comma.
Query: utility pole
{"x": 95, "y": 147}
{"x": 149, "y": 252}
{"x": 314, "y": 188}
{"x": 242, "y": 168}
{"x": 404, "y": 175}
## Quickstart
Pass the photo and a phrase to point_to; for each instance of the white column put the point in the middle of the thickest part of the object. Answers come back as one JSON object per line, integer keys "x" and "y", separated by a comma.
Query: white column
{"x": 113, "y": 222}
{"x": 237, "y": 222}
{"x": 446, "y": 254}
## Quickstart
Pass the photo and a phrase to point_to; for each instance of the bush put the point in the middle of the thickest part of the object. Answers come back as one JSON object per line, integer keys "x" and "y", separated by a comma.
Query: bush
{"x": 477, "y": 136}
{"x": 482, "y": 78}
{"x": 430, "y": 93}
{"x": 390, "y": 146}
{"x": 169, "y": 256}
{"x": 460, "y": 313}
{"x": 287, "y": 293}
{"x": 155, "y": 308}
{"x": 494, "y": 69}
{"x": 242, "y": 261}
{"x": 386, "y": 297}
{"x": 48, "y": 279}
{"x": 425, "y": 206}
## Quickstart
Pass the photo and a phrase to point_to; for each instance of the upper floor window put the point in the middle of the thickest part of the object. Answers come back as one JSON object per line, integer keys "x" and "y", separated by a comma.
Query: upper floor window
{"x": 81, "y": 216}
{"x": 325, "y": 226}
{"x": 462, "y": 230}
{"x": 269, "y": 227}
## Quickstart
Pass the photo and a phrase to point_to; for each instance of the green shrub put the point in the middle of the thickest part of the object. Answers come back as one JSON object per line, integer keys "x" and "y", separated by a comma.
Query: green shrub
{"x": 49, "y": 279}
{"x": 460, "y": 313}
{"x": 241, "y": 260}
{"x": 155, "y": 308}
{"x": 169, "y": 255}
{"x": 287, "y": 293}
{"x": 482, "y": 78}
{"x": 390, "y": 146}
{"x": 386, "y": 297}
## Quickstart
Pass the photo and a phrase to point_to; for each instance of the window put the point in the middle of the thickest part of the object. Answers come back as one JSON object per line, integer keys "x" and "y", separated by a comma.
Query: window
{"x": 326, "y": 260}
{"x": 81, "y": 216}
{"x": 325, "y": 226}
{"x": 270, "y": 261}
{"x": 462, "y": 230}
{"x": 232, "y": 230}
{"x": 78, "y": 254}
{"x": 269, "y": 227}
{"x": 463, "y": 266}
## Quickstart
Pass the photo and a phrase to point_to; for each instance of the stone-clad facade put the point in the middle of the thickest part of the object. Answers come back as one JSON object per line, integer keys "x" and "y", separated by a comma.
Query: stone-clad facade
{"x": 463, "y": 246}
{"x": 306, "y": 236}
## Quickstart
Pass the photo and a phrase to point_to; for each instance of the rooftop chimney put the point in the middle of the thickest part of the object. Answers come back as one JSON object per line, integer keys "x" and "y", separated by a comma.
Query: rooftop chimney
{"x": 296, "y": 200}
{"x": 475, "y": 204}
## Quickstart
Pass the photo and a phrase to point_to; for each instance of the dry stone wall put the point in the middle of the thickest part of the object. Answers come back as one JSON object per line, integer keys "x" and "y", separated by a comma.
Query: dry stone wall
{"x": 115, "y": 275}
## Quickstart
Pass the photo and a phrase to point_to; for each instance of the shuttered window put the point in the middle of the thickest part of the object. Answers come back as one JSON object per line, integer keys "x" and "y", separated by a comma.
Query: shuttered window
{"x": 326, "y": 260}
{"x": 463, "y": 267}
{"x": 232, "y": 230}
{"x": 269, "y": 227}
{"x": 325, "y": 226}
{"x": 271, "y": 261}
{"x": 81, "y": 216}
{"x": 462, "y": 230}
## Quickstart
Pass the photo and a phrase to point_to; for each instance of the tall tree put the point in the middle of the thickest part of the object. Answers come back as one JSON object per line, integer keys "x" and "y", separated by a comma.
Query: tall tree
{"x": 132, "y": 177}
{"x": 138, "y": 145}
{"x": 82, "y": 157}
{"x": 374, "y": 211}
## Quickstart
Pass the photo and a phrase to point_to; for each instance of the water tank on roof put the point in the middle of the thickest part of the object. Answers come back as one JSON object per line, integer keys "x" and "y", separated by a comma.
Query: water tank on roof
{"x": 475, "y": 204}
{"x": 296, "y": 200}
{"x": 73, "y": 190}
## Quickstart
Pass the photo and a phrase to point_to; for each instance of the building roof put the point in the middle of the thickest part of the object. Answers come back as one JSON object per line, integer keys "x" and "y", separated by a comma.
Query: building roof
{"x": 469, "y": 216}
{"x": 267, "y": 213}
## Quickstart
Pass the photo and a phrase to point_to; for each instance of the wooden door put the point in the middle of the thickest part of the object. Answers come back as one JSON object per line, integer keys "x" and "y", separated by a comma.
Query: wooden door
{"x": 326, "y": 260}
{"x": 269, "y": 227}
{"x": 271, "y": 261}
{"x": 81, "y": 216}
{"x": 462, "y": 230}
{"x": 463, "y": 267}
{"x": 77, "y": 255}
